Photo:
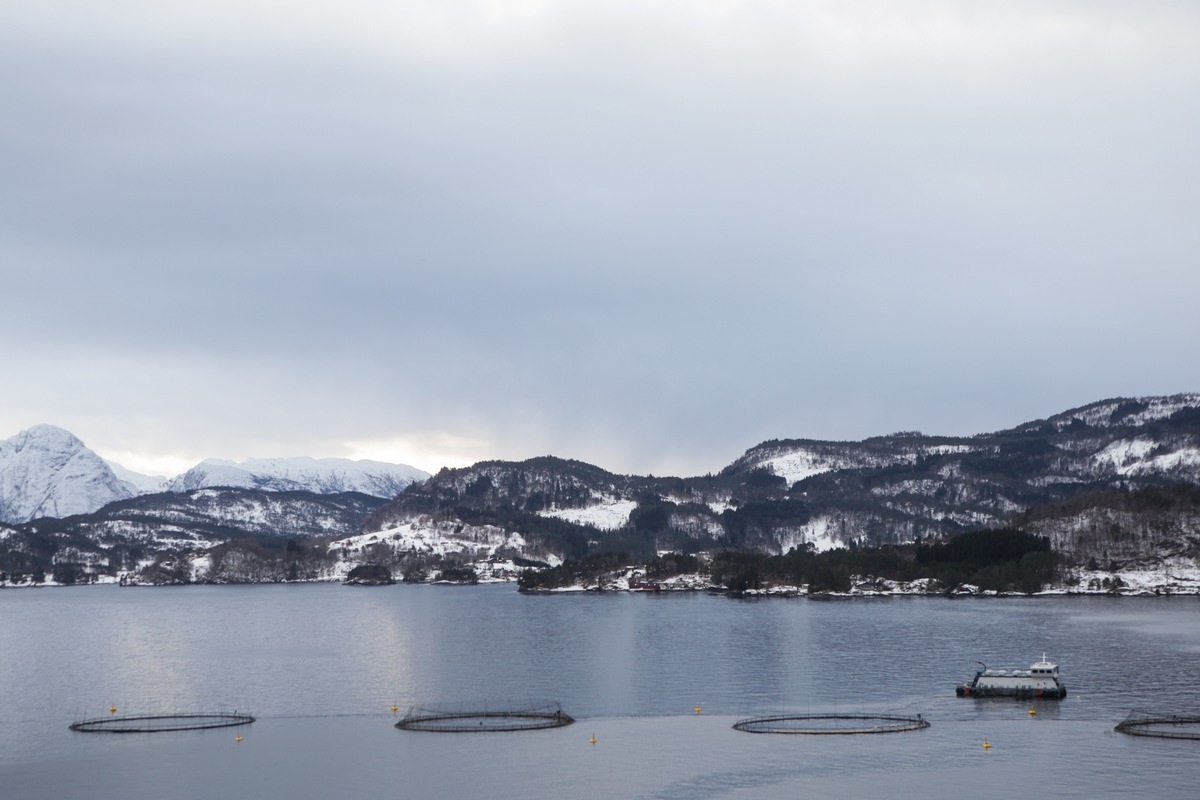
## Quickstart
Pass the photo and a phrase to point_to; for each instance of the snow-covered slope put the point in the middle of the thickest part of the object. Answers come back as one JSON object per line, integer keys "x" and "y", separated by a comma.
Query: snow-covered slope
{"x": 209, "y": 516}
{"x": 799, "y": 459}
{"x": 323, "y": 476}
{"x": 607, "y": 515}
{"x": 425, "y": 536}
{"x": 47, "y": 472}
{"x": 1137, "y": 412}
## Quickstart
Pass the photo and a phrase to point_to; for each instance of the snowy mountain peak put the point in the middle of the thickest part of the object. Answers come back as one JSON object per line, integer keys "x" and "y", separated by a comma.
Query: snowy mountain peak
{"x": 45, "y": 437}
{"x": 320, "y": 475}
{"x": 46, "y": 471}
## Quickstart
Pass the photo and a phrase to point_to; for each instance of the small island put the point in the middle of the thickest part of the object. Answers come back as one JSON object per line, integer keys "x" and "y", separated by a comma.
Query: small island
{"x": 369, "y": 575}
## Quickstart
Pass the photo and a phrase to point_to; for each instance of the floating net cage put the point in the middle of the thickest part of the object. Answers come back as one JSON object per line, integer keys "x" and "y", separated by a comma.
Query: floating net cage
{"x": 160, "y": 723}
{"x": 831, "y": 724}
{"x": 485, "y": 718}
{"x": 1161, "y": 726}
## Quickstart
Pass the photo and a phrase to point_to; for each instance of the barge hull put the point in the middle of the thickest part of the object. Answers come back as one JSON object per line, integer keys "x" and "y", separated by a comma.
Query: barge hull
{"x": 1020, "y": 693}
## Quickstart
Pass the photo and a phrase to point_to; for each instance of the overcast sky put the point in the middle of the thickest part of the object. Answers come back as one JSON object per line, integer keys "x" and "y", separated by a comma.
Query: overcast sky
{"x": 647, "y": 235}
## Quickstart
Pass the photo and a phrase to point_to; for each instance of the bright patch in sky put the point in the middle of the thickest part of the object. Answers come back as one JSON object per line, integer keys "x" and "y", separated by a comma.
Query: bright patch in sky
{"x": 427, "y": 452}
{"x": 165, "y": 465}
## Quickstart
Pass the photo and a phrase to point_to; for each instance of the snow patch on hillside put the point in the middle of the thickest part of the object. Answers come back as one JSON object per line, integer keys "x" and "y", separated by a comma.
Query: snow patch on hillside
{"x": 426, "y": 537}
{"x": 946, "y": 449}
{"x": 925, "y": 487}
{"x": 1124, "y": 452}
{"x": 1186, "y": 459}
{"x": 608, "y": 515}
{"x": 1042, "y": 481}
{"x": 800, "y": 464}
{"x": 819, "y": 532}
{"x": 1133, "y": 457}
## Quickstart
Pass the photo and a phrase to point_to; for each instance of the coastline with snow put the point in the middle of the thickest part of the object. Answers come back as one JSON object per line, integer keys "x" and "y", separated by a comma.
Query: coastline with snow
{"x": 1174, "y": 578}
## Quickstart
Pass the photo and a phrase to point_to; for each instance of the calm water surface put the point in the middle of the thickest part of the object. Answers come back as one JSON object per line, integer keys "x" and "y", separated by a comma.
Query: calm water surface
{"x": 321, "y": 665}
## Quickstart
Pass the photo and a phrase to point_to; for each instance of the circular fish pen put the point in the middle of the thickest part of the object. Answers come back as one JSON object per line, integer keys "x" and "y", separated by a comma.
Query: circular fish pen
{"x": 485, "y": 720}
{"x": 831, "y": 724}
{"x": 1161, "y": 726}
{"x": 160, "y": 723}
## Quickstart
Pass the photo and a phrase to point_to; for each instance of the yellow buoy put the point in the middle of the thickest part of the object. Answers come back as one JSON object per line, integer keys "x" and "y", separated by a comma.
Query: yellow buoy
{"x": 593, "y": 739}
{"x": 697, "y": 709}
{"x": 237, "y": 738}
{"x": 112, "y": 710}
{"x": 395, "y": 708}
{"x": 1032, "y": 712}
{"x": 987, "y": 745}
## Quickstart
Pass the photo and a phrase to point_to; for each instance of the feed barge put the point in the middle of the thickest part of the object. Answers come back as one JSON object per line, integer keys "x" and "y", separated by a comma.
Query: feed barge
{"x": 1039, "y": 681}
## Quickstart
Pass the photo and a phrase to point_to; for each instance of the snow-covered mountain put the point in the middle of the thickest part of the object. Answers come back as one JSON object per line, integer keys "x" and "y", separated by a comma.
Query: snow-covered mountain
{"x": 1151, "y": 436}
{"x": 223, "y": 535}
{"x": 205, "y": 517}
{"x": 47, "y": 472}
{"x": 800, "y": 493}
{"x": 320, "y": 475}
{"x": 781, "y": 495}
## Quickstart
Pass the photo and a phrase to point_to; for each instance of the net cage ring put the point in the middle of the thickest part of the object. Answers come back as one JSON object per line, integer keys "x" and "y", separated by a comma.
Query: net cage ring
{"x": 160, "y": 723}
{"x": 485, "y": 720}
{"x": 831, "y": 724}
{"x": 1161, "y": 726}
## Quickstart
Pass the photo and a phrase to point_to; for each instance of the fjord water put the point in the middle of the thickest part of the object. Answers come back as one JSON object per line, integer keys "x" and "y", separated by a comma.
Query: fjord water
{"x": 321, "y": 665}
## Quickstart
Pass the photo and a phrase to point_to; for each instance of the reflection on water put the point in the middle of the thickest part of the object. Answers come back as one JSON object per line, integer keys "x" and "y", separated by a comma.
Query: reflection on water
{"x": 321, "y": 665}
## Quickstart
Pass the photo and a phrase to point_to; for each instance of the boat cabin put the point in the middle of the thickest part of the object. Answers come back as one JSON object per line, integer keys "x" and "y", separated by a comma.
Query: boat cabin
{"x": 1044, "y": 669}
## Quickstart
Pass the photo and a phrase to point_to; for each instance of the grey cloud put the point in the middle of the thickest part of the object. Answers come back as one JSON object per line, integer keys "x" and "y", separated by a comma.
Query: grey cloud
{"x": 646, "y": 242}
